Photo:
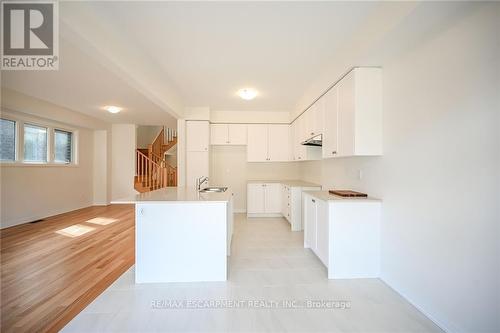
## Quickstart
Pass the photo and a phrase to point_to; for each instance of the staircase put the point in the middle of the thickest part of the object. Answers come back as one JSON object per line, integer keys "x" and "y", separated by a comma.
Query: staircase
{"x": 152, "y": 171}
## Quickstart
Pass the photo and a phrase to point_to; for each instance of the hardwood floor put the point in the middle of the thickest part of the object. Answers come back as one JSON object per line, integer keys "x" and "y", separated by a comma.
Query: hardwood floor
{"x": 51, "y": 270}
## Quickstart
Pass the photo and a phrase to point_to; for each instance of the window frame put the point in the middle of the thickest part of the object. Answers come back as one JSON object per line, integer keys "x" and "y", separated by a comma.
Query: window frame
{"x": 72, "y": 155}
{"x": 47, "y": 153}
{"x": 51, "y": 126}
{"x": 16, "y": 139}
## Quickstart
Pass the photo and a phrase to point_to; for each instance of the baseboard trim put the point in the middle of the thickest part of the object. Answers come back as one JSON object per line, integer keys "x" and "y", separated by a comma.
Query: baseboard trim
{"x": 28, "y": 219}
{"x": 419, "y": 308}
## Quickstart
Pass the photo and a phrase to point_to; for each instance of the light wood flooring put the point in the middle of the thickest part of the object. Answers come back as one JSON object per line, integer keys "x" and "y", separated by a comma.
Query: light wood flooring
{"x": 51, "y": 270}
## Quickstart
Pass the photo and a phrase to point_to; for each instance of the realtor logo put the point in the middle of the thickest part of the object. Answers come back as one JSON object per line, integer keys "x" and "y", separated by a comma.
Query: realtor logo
{"x": 30, "y": 38}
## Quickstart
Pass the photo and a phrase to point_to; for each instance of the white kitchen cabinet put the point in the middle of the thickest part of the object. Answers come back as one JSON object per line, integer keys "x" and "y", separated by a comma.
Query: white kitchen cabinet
{"x": 256, "y": 199}
{"x": 310, "y": 223}
{"x": 318, "y": 117}
{"x": 268, "y": 143}
{"x": 197, "y": 135}
{"x": 197, "y": 155}
{"x": 237, "y": 134}
{"x": 272, "y": 198}
{"x": 257, "y": 143}
{"x": 264, "y": 199}
{"x": 219, "y": 134}
{"x": 360, "y": 113}
{"x": 228, "y": 134}
{"x": 284, "y": 200}
{"x": 330, "y": 133}
{"x": 344, "y": 233}
{"x": 322, "y": 246}
{"x": 299, "y": 151}
{"x": 279, "y": 143}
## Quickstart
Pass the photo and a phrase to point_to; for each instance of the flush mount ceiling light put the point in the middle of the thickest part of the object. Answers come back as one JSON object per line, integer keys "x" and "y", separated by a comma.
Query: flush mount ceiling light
{"x": 247, "y": 93}
{"x": 112, "y": 108}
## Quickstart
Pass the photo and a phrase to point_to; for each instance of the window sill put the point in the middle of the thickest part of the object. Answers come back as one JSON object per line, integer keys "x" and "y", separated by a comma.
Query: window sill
{"x": 38, "y": 165}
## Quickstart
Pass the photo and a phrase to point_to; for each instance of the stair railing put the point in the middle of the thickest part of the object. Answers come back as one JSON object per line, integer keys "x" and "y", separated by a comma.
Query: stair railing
{"x": 149, "y": 173}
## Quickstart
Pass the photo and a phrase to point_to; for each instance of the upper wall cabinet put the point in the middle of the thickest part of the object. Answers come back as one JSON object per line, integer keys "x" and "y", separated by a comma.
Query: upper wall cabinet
{"x": 359, "y": 114}
{"x": 313, "y": 119}
{"x": 197, "y": 135}
{"x": 228, "y": 134}
{"x": 330, "y": 133}
{"x": 268, "y": 143}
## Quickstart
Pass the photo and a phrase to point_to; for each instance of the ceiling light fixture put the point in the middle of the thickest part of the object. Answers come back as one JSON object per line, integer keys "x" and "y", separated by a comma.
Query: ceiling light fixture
{"x": 112, "y": 108}
{"x": 247, "y": 93}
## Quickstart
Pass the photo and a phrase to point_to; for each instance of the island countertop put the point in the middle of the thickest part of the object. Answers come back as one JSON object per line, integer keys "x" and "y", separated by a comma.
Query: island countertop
{"x": 175, "y": 195}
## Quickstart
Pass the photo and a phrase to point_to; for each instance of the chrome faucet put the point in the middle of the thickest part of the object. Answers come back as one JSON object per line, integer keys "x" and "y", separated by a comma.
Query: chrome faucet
{"x": 200, "y": 181}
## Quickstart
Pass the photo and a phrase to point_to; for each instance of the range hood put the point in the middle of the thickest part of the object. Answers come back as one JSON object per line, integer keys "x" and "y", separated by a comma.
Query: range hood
{"x": 316, "y": 141}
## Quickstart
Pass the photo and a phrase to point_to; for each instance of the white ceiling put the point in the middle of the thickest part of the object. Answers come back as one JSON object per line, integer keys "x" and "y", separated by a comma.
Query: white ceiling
{"x": 84, "y": 85}
{"x": 157, "y": 57}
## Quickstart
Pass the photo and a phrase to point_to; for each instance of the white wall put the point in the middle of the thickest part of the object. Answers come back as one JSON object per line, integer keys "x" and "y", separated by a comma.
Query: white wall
{"x": 33, "y": 192}
{"x": 30, "y": 193}
{"x": 229, "y": 166}
{"x": 101, "y": 166}
{"x": 123, "y": 138}
{"x": 439, "y": 176}
{"x": 146, "y": 135}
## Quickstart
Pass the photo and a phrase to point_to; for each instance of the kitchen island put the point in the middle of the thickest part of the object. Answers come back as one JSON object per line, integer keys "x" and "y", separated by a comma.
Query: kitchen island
{"x": 181, "y": 234}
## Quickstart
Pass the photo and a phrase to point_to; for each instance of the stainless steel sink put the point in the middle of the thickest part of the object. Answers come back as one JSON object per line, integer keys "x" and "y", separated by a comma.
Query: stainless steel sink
{"x": 213, "y": 189}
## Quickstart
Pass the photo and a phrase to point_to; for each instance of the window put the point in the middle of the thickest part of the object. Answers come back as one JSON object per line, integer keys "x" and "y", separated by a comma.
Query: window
{"x": 7, "y": 140}
{"x": 63, "y": 146}
{"x": 35, "y": 143}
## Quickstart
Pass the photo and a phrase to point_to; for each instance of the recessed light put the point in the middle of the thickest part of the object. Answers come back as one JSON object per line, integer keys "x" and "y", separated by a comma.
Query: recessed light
{"x": 112, "y": 108}
{"x": 247, "y": 93}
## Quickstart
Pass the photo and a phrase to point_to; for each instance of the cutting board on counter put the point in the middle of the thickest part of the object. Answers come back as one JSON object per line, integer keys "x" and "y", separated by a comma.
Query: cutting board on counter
{"x": 348, "y": 193}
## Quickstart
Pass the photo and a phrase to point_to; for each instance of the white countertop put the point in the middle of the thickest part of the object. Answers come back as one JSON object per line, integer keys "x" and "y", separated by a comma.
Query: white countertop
{"x": 175, "y": 194}
{"x": 326, "y": 196}
{"x": 291, "y": 183}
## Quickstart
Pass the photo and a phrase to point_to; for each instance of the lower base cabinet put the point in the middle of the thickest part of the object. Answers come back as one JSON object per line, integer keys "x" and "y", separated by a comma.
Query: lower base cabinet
{"x": 277, "y": 199}
{"x": 344, "y": 234}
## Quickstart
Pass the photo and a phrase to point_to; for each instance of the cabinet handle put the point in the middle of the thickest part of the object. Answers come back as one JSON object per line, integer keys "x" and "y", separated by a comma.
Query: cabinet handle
{"x": 313, "y": 200}
{"x": 334, "y": 152}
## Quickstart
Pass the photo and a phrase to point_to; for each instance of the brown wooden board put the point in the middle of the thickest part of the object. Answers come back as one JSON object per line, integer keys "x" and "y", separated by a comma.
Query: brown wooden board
{"x": 348, "y": 193}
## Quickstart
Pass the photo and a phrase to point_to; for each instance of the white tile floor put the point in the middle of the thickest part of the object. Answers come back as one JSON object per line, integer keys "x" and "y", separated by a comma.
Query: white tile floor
{"x": 268, "y": 263}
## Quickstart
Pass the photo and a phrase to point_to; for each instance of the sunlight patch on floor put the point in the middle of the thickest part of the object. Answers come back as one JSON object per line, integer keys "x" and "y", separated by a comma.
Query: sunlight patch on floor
{"x": 75, "y": 230}
{"x": 102, "y": 220}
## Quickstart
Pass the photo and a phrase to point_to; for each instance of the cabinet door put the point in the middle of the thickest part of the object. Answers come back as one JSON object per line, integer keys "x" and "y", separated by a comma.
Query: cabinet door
{"x": 283, "y": 199}
{"x": 273, "y": 198}
{"x": 302, "y": 127}
{"x": 257, "y": 143}
{"x": 309, "y": 118}
{"x": 278, "y": 144}
{"x": 219, "y": 134}
{"x": 319, "y": 112}
{"x": 322, "y": 231}
{"x": 196, "y": 166}
{"x": 346, "y": 105}
{"x": 310, "y": 222}
{"x": 197, "y": 135}
{"x": 330, "y": 124}
{"x": 237, "y": 134}
{"x": 255, "y": 198}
